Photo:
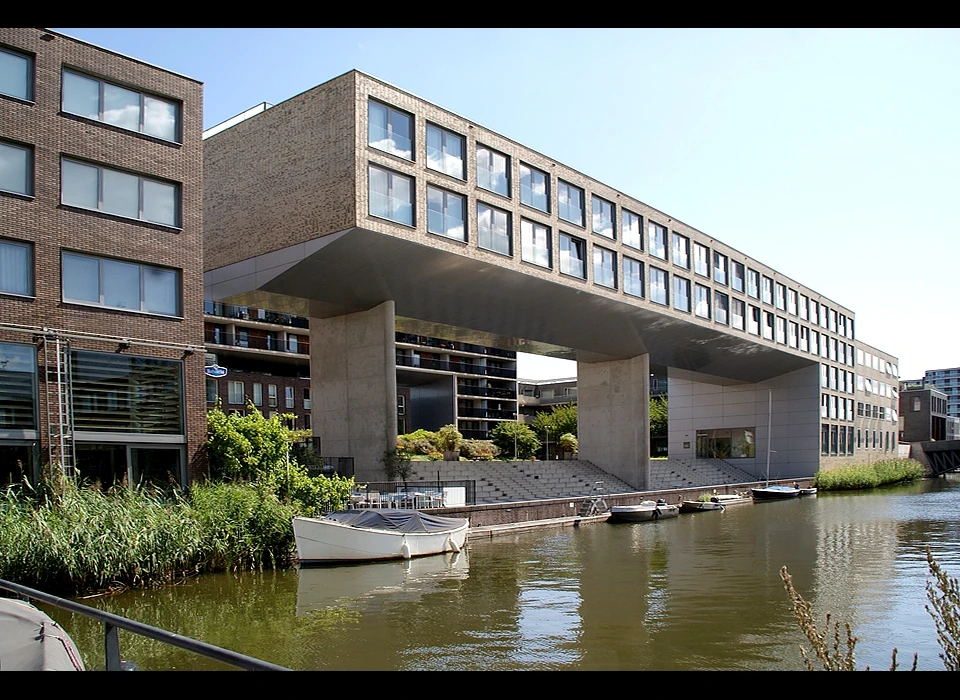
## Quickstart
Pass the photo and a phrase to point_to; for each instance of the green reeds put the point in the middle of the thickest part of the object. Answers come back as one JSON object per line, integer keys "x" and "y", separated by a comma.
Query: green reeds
{"x": 866, "y": 476}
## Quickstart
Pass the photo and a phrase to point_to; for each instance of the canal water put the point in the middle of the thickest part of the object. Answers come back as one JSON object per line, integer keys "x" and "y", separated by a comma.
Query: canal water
{"x": 698, "y": 592}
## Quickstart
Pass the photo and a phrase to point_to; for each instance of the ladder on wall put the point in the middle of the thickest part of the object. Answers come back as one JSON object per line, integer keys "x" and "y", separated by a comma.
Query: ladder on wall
{"x": 59, "y": 400}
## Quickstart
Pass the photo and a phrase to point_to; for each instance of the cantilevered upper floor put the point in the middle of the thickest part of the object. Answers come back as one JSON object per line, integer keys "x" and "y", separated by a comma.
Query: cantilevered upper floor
{"x": 356, "y": 192}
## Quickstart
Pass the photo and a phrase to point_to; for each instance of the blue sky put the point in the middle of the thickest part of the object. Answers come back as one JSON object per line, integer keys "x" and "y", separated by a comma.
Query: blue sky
{"x": 831, "y": 155}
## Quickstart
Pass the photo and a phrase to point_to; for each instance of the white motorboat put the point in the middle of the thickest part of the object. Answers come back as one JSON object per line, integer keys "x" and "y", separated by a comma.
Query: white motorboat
{"x": 375, "y": 534}
{"x": 772, "y": 492}
{"x": 647, "y": 510}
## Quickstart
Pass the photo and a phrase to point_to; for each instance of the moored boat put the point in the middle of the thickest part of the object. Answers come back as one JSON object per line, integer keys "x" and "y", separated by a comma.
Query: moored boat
{"x": 718, "y": 501}
{"x": 812, "y": 491}
{"x": 645, "y": 511}
{"x": 376, "y": 534}
{"x": 774, "y": 492}
{"x": 33, "y": 641}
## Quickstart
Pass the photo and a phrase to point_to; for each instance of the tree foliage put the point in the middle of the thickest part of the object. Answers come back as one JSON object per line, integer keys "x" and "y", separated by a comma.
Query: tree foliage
{"x": 246, "y": 447}
{"x": 508, "y": 434}
{"x": 558, "y": 420}
{"x": 658, "y": 416}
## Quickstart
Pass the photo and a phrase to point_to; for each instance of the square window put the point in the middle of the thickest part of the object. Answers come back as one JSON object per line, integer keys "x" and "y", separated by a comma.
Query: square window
{"x": 631, "y": 226}
{"x": 701, "y": 301}
{"x": 802, "y": 306}
{"x": 534, "y": 188}
{"x": 258, "y": 394}
{"x": 235, "y": 392}
{"x": 632, "y": 277}
{"x": 680, "y": 251}
{"x": 272, "y": 397}
{"x": 535, "y": 243}
{"x": 445, "y": 152}
{"x": 16, "y": 267}
{"x": 16, "y": 74}
{"x": 701, "y": 260}
{"x": 493, "y": 230}
{"x": 766, "y": 290}
{"x": 604, "y": 267}
{"x": 445, "y": 214}
{"x": 390, "y": 130}
{"x": 780, "y": 298}
{"x": 658, "y": 240}
{"x": 391, "y": 195}
{"x": 493, "y": 171}
{"x": 736, "y": 276}
{"x": 16, "y": 167}
{"x": 792, "y": 301}
{"x": 681, "y": 293}
{"x": 658, "y": 285}
{"x": 288, "y": 400}
{"x": 573, "y": 253}
{"x": 570, "y": 200}
{"x": 602, "y": 217}
{"x": 737, "y": 314}
{"x": 753, "y": 320}
{"x": 119, "y": 106}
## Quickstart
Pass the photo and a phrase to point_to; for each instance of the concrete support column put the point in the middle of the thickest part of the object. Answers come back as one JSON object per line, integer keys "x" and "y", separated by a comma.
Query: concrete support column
{"x": 613, "y": 413}
{"x": 353, "y": 382}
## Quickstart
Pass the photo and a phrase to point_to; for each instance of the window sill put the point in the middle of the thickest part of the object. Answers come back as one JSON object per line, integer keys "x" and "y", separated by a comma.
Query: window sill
{"x": 21, "y": 100}
{"x": 121, "y": 217}
{"x": 394, "y": 221}
{"x": 121, "y": 129}
{"x": 16, "y": 295}
{"x": 18, "y": 195}
{"x": 101, "y": 307}
{"x": 399, "y": 157}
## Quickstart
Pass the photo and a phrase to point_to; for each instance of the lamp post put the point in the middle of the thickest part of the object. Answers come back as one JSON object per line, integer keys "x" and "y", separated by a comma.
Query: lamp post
{"x": 547, "y": 444}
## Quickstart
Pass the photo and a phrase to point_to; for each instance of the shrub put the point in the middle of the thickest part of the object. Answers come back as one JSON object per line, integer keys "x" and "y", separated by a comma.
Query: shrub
{"x": 568, "y": 442}
{"x": 865, "y": 476}
{"x": 483, "y": 450}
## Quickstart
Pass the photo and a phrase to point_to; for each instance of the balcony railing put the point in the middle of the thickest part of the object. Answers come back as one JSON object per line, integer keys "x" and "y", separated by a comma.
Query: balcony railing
{"x": 493, "y": 392}
{"x": 249, "y": 313}
{"x": 486, "y": 413}
{"x": 300, "y": 347}
{"x": 443, "y": 365}
{"x": 427, "y": 341}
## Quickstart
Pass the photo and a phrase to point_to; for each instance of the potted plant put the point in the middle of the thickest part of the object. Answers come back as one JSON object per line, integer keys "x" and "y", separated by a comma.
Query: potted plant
{"x": 568, "y": 445}
{"x": 448, "y": 440}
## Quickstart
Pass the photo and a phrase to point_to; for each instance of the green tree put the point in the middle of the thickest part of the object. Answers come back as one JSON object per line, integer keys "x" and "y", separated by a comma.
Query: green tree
{"x": 658, "y": 416}
{"x": 449, "y": 438}
{"x": 246, "y": 447}
{"x": 507, "y": 434}
{"x": 559, "y": 420}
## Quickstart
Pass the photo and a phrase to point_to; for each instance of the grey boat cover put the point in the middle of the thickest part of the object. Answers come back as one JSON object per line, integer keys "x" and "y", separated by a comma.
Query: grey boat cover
{"x": 396, "y": 520}
{"x": 31, "y": 641}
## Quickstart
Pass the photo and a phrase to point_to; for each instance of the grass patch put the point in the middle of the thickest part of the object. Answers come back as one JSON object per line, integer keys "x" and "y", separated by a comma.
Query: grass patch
{"x": 868, "y": 476}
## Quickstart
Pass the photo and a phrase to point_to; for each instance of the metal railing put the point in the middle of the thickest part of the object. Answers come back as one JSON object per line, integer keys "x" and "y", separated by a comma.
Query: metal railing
{"x": 249, "y": 313}
{"x": 112, "y": 623}
{"x": 413, "y": 494}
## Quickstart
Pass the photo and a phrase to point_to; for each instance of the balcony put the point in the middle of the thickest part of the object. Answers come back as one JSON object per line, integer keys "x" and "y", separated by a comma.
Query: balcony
{"x": 238, "y": 340}
{"x": 468, "y": 390}
{"x": 248, "y": 313}
{"x": 486, "y": 413}
{"x": 428, "y": 342}
{"x": 461, "y": 367}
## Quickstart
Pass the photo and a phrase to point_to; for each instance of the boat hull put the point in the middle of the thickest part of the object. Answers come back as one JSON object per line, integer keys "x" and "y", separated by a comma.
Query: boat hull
{"x": 697, "y": 506}
{"x": 321, "y": 541}
{"x": 775, "y": 493}
{"x": 643, "y": 512}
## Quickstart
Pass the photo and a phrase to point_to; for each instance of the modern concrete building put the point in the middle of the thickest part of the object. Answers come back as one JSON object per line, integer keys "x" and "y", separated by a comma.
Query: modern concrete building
{"x": 948, "y": 381}
{"x": 101, "y": 325}
{"x": 923, "y": 416}
{"x": 371, "y": 210}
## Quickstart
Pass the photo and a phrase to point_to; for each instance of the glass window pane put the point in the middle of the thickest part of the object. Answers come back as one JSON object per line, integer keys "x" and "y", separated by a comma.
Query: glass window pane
{"x": 445, "y": 151}
{"x": 121, "y": 193}
{"x": 160, "y": 118}
{"x": 121, "y": 107}
{"x": 160, "y": 291}
{"x": 535, "y": 243}
{"x": 81, "y": 95}
{"x": 571, "y": 256}
{"x": 631, "y": 226}
{"x": 16, "y": 268}
{"x": 533, "y": 188}
{"x": 79, "y": 184}
{"x": 658, "y": 240}
{"x": 633, "y": 277}
{"x": 602, "y": 217}
{"x": 604, "y": 267}
{"x": 15, "y": 169}
{"x": 15, "y": 75}
{"x": 81, "y": 278}
{"x": 493, "y": 229}
{"x": 160, "y": 202}
{"x": 390, "y": 130}
{"x": 570, "y": 203}
{"x": 390, "y": 196}
{"x": 121, "y": 284}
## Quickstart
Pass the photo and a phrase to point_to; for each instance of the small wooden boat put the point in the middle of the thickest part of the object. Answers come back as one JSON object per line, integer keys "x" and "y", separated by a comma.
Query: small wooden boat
{"x": 376, "y": 534}
{"x": 812, "y": 491}
{"x": 718, "y": 501}
{"x": 646, "y": 511}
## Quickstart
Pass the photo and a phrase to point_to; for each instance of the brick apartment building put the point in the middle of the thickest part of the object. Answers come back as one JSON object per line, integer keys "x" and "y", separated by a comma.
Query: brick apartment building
{"x": 101, "y": 306}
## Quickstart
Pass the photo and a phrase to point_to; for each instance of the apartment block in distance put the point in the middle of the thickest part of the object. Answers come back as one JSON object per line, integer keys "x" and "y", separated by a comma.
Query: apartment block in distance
{"x": 263, "y": 357}
{"x": 371, "y": 210}
{"x": 946, "y": 380}
{"x": 101, "y": 306}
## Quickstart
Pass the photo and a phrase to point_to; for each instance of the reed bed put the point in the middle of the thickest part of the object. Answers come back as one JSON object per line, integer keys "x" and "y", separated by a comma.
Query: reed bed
{"x": 867, "y": 476}
{"x": 74, "y": 539}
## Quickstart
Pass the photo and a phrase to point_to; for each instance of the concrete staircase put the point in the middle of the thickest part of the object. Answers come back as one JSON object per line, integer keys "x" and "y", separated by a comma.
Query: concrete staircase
{"x": 678, "y": 473}
{"x": 505, "y": 482}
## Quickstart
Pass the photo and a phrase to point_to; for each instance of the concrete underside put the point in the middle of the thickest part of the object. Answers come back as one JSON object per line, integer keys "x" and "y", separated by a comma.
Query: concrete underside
{"x": 337, "y": 279}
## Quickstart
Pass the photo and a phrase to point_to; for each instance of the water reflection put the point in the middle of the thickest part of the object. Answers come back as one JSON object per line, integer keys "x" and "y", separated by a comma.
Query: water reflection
{"x": 697, "y": 592}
